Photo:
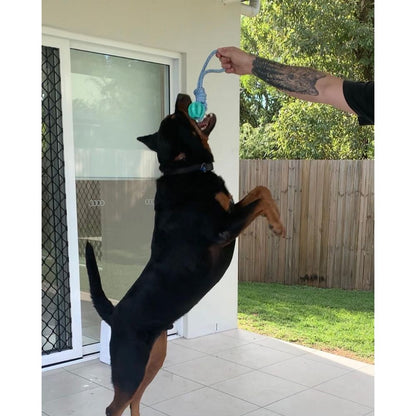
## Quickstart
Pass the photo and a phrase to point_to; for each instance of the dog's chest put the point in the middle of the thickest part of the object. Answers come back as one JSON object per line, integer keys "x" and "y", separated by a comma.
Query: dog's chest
{"x": 182, "y": 189}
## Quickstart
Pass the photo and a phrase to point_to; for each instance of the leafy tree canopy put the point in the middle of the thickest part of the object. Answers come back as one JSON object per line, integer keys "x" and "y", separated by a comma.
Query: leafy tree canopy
{"x": 335, "y": 36}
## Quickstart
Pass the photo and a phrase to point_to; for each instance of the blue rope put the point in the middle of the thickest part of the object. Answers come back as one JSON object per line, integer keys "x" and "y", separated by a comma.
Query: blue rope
{"x": 197, "y": 109}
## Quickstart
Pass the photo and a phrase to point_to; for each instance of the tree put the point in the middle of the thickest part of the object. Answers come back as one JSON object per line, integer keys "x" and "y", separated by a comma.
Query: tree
{"x": 333, "y": 36}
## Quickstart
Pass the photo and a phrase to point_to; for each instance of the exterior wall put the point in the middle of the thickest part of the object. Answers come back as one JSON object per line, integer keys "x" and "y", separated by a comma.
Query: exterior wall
{"x": 193, "y": 29}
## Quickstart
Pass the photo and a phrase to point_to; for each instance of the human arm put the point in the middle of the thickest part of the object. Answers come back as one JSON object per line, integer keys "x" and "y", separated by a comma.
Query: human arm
{"x": 304, "y": 83}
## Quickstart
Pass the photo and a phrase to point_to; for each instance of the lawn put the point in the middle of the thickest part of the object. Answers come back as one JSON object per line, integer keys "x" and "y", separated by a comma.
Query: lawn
{"x": 333, "y": 320}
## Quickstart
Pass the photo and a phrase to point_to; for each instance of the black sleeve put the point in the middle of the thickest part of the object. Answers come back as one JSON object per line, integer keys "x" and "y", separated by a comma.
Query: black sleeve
{"x": 360, "y": 97}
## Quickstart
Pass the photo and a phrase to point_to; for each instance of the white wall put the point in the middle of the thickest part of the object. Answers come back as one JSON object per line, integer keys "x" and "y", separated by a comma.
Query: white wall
{"x": 193, "y": 28}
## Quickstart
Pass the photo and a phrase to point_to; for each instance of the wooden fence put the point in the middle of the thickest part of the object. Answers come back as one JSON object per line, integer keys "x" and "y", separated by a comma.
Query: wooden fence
{"x": 327, "y": 207}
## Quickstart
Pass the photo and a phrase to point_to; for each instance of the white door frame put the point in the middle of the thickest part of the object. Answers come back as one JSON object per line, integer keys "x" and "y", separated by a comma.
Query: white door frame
{"x": 125, "y": 50}
{"x": 65, "y": 41}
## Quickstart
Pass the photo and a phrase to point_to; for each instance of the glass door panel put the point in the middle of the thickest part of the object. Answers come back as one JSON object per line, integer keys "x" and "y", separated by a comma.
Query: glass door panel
{"x": 115, "y": 100}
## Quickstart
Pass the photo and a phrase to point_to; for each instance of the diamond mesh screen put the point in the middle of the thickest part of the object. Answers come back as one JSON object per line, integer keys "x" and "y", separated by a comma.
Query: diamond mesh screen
{"x": 56, "y": 317}
{"x": 89, "y": 216}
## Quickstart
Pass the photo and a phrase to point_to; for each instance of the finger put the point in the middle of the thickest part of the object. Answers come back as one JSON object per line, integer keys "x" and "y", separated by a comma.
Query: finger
{"x": 225, "y": 50}
{"x": 226, "y": 64}
{"x": 225, "y": 59}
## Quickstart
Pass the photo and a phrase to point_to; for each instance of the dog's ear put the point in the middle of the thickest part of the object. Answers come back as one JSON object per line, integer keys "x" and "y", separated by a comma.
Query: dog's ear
{"x": 182, "y": 103}
{"x": 150, "y": 141}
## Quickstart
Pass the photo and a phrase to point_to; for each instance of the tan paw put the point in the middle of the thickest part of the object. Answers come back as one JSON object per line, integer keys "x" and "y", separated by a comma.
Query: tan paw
{"x": 278, "y": 228}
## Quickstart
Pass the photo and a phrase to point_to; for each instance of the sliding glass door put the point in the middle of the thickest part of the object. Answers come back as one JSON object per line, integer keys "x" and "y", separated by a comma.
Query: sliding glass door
{"x": 98, "y": 181}
{"x": 114, "y": 100}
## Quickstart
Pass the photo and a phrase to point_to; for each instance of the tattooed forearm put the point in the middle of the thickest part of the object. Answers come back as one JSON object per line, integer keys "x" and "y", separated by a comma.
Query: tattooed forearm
{"x": 287, "y": 78}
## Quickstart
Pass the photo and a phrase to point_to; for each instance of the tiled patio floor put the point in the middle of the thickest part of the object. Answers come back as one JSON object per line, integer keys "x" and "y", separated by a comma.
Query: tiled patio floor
{"x": 231, "y": 373}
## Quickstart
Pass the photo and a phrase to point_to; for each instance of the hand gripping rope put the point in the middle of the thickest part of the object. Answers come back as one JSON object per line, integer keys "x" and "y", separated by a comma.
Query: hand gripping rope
{"x": 197, "y": 109}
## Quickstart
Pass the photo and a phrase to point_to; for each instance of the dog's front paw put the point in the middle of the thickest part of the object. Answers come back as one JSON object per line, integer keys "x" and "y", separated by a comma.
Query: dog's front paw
{"x": 278, "y": 228}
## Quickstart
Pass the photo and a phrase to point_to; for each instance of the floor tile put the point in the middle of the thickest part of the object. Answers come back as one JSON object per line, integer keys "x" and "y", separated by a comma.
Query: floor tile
{"x": 166, "y": 386}
{"x": 61, "y": 383}
{"x": 205, "y": 402}
{"x": 177, "y": 353}
{"x": 263, "y": 412}
{"x": 259, "y": 388}
{"x": 148, "y": 411}
{"x": 283, "y": 346}
{"x": 355, "y": 386}
{"x": 333, "y": 359}
{"x": 306, "y": 372}
{"x": 94, "y": 371}
{"x": 46, "y": 373}
{"x": 314, "y": 403}
{"x": 208, "y": 370}
{"x": 210, "y": 344}
{"x": 92, "y": 402}
{"x": 367, "y": 369}
{"x": 254, "y": 356}
{"x": 243, "y": 335}
{"x": 232, "y": 373}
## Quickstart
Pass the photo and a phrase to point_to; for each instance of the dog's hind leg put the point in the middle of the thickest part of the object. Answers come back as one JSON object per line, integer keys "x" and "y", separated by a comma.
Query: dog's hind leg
{"x": 120, "y": 402}
{"x": 129, "y": 357}
{"x": 156, "y": 359}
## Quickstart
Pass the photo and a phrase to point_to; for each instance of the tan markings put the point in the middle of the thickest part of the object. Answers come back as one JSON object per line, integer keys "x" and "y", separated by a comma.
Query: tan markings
{"x": 154, "y": 364}
{"x": 266, "y": 207}
{"x": 224, "y": 200}
{"x": 197, "y": 131}
{"x": 181, "y": 156}
{"x": 204, "y": 141}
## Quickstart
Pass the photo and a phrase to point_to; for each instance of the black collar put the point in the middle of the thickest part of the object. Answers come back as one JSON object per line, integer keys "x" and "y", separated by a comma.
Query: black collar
{"x": 204, "y": 167}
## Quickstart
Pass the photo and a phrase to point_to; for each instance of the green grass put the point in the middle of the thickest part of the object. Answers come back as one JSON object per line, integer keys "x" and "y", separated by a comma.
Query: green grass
{"x": 333, "y": 320}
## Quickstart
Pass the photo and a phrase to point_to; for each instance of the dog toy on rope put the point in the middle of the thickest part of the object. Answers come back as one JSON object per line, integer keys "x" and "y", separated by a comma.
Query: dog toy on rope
{"x": 197, "y": 109}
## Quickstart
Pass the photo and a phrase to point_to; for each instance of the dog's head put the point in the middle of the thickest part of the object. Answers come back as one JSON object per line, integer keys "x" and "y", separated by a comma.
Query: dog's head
{"x": 181, "y": 141}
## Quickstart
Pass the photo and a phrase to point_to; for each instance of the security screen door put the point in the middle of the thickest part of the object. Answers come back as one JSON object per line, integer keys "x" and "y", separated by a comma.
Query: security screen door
{"x": 61, "y": 327}
{"x": 56, "y": 316}
{"x": 114, "y": 100}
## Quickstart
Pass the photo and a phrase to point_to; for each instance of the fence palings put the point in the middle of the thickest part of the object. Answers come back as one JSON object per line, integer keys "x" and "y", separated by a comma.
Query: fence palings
{"x": 327, "y": 207}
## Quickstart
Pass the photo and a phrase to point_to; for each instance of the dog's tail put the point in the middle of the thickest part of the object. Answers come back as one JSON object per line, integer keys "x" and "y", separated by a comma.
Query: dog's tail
{"x": 100, "y": 301}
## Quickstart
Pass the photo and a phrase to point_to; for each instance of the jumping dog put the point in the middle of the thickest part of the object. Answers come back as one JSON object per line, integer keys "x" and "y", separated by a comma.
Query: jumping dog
{"x": 196, "y": 224}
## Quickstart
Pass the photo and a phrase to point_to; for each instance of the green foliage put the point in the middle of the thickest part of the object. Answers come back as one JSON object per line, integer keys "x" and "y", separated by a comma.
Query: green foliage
{"x": 307, "y": 131}
{"x": 333, "y": 36}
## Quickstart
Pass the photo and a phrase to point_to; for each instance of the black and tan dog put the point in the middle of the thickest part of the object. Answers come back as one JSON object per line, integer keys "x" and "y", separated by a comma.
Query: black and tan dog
{"x": 196, "y": 224}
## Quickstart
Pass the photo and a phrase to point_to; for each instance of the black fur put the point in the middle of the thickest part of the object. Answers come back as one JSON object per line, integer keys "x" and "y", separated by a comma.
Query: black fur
{"x": 103, "y": 306}
{"x": 192, "y": 247}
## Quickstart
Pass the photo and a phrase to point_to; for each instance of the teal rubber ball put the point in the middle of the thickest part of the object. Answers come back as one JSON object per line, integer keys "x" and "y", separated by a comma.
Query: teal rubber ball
{"x": 196, "y": 110}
